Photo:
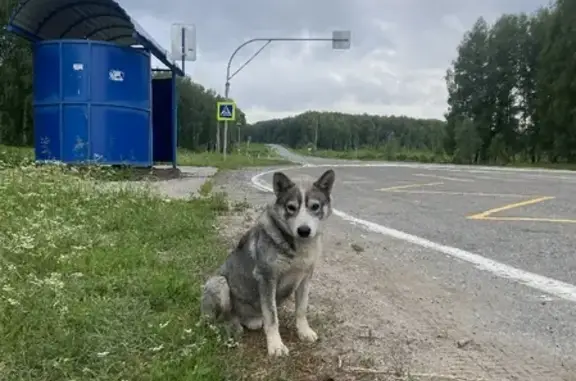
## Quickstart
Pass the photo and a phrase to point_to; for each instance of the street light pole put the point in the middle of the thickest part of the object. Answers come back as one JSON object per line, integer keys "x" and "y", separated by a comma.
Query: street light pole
{"x": 340, "y": 40}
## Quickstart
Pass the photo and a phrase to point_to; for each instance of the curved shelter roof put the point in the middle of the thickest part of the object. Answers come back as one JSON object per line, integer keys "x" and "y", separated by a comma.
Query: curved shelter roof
{"x": 102, "y": 20}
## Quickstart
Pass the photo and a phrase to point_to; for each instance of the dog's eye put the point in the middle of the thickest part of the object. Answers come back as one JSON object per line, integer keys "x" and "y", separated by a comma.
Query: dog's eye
{"x": 314, "y": 207}
{"x": 291, "y": 208}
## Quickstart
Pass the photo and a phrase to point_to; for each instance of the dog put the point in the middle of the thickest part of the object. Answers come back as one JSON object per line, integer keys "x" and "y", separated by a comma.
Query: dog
{"x": 273, "y": 260}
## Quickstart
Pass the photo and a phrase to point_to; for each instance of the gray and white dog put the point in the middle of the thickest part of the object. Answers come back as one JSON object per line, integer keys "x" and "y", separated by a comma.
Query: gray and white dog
{"x": 272, "y": 260}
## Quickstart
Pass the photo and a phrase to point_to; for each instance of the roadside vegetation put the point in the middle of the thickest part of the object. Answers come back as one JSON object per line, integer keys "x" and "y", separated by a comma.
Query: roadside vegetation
{"x": 103, "y": 284}
{"x": 384, "y": 153}
{"x": 415, "y": 156}
{"x": 250, "y": 155}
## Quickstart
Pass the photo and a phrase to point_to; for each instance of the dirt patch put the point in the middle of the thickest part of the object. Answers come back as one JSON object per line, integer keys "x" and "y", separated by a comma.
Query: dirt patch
{"x": 380, "y": 316}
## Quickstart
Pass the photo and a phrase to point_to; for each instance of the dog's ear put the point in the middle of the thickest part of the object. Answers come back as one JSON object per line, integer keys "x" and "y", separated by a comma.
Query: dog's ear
{"x": 326, "y": 181}
{"x": 281, "y": 183}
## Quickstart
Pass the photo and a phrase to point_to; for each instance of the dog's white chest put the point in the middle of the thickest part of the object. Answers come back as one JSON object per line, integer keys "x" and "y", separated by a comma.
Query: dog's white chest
{"x": 305, "y": 257}
{"x": 294, "y": 270}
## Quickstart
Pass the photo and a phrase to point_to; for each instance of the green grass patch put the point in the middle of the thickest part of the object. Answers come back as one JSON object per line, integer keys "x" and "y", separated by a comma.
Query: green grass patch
{"x": 15, "y": 156}
{"x": 566, "y": 166}
{"x": 379, "y": 155}
{"x": 371, "y": 154}
{"x": 103, "y": 285}
{"x": 256, "y": 155}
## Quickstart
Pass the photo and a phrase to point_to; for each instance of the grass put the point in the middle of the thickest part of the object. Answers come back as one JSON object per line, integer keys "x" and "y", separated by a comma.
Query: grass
{"x": 14, "y": 156}
{"x": 260, "y": 155}
{"x": 255, "y": 155}
{"x": 403, "y": 155}
{"x": 103, "y": 285}
{"x": 567, "y": 166}
{"x": 374, "y": 154}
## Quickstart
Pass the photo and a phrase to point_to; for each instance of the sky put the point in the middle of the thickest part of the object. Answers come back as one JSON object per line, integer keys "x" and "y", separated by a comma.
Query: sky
{"x": 400, "y": 50}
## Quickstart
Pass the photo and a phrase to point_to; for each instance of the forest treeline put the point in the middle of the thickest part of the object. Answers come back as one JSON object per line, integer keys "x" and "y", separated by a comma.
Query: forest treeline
{"x": 343, "y": 132}
{"x": 196, "y": 113}
{"x": 511, "y": 98}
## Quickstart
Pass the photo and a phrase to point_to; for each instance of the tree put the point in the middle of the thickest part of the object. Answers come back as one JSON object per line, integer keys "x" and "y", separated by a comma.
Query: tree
{"x": 468, "y": 142}
{"x": 516, "y": 82}
{"x": 469, "y": 87}
{"x": 15, "y": 85}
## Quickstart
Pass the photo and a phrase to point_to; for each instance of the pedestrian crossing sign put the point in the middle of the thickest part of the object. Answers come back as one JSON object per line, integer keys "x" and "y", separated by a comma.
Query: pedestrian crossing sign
{"x": 226, "y": 111}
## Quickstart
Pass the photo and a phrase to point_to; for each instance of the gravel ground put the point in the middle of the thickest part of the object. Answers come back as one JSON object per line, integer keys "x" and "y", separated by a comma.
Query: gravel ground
{"x": 190, "y": 182}
{"x": 187, "y": 183}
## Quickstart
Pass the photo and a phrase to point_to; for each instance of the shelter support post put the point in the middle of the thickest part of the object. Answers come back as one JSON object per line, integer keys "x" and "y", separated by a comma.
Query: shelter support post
{"x": 174, "y": 121}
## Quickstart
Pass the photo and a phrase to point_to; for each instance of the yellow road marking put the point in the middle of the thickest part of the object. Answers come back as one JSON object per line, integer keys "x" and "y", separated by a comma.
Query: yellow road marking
{"x": 486, "y": 214}
{"x": 446, "y": 178}
{"x": 478, "y": 194}
{"x": 407, "y": 186}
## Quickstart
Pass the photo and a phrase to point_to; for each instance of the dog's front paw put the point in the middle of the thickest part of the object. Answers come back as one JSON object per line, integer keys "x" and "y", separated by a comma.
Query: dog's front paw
{"x": 276, "y": 348}
{"x": 305, "y": 333}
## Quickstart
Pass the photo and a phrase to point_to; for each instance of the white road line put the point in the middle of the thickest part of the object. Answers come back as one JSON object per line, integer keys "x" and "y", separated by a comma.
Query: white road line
{"x": 538, "y": 282}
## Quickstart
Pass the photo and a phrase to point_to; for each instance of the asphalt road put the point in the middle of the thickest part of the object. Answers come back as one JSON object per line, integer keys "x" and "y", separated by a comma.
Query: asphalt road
{"x": 434, "y": 202}
{"x": 525, "y": 219}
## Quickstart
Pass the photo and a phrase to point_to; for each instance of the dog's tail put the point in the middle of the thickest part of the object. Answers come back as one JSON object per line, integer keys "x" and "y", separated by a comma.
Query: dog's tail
{"x": 216, "y": 302}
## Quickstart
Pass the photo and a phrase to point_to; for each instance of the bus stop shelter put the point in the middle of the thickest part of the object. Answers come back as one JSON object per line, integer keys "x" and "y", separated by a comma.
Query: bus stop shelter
{"x": 78, "y": 28}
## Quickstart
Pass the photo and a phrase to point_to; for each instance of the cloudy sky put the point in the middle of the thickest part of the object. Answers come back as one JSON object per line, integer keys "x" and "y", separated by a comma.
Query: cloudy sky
{"x": 399, "y": 55}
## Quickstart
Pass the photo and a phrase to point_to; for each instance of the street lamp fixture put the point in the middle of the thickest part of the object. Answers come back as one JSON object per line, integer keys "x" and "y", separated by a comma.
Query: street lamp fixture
{"x": 340, "y": 41}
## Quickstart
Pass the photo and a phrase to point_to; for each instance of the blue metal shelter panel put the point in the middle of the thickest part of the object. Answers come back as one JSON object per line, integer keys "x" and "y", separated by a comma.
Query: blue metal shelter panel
{"x": 46, "y": 133}
{"x": 46, "y": 78}
{"x": 120, "y": 136}
{"x": 92, "y": 102}
{"x": 162, "y": 105}
{"x": 120, "y": 76}
{"x": 75, "y": 134}
{"x": 75, "y": 71}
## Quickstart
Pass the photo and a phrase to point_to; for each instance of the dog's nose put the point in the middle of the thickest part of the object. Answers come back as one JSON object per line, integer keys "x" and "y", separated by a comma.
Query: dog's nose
{"x": 303, "y": 231}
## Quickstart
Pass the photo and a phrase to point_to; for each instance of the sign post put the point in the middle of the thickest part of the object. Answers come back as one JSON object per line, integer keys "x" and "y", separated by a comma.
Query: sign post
{"x": 183, "y": 47}
{"x": 226, "y": 112}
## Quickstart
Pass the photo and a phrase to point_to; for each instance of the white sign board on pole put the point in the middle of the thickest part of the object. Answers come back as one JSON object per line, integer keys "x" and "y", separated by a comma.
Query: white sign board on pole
{"x": 341, "y": 39}
{"x": 183, "y": 42}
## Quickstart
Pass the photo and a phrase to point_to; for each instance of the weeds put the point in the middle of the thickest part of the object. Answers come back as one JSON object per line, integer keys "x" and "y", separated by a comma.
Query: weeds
{"x": 418, "y": 156}
{"x": 255, "y": 155}
{"x": 376, "y": 154}
{"x": 103, "y": 284}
